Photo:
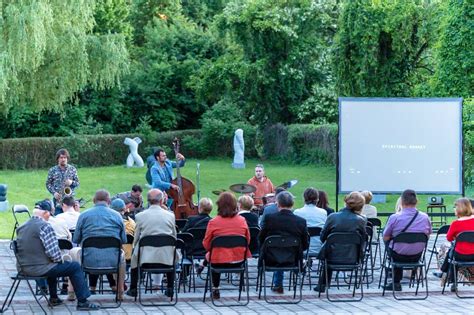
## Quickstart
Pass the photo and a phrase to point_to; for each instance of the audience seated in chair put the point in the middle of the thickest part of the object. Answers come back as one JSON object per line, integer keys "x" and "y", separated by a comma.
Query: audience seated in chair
{"x": 284, "y": 223}
{"x": 271, "y": 206}
{"x": 133, "y": 200}
{"x": 98, "y": 221}
{"x": 465, "y": 222}
{"x": 120, "y": 206}
{"x": 314, "y": 216}
{"x": 59, "y": 225}
{"x": 155, "y": 220}
{"x": 40, "y": 255}
{"x": 227, "y": 222}
{"x": 409, "y": 219}
{"x": 201, "y": 220}
{"x": 245, "y": 205}
{"x": 368, "y": 210}
{"x": 323, "y": 202}
{"x": 346, "y": 220}
{"x": 69, "y": 214}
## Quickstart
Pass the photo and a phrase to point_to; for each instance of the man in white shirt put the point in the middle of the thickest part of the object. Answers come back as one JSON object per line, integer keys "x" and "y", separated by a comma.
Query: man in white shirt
{"x": 69, "y": 215}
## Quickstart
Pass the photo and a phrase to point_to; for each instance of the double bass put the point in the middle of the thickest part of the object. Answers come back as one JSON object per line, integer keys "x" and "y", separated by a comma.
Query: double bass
{"x": 183, "y": 206}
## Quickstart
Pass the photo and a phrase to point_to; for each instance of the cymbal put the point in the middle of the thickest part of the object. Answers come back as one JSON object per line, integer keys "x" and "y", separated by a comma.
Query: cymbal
{"x": 218, "y": 191}
{"x": 289, "y": 184}
{"x": 243, "y": 188}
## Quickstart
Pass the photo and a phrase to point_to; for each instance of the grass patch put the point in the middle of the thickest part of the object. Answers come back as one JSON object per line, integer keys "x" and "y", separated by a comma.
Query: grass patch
{"x": 27, "y": 187}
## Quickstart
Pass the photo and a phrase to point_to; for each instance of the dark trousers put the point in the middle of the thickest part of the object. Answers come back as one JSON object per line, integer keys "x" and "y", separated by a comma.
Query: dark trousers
{"x": 134, "y": 275}
{"x": 74, "y": 272}
{"x": 216, "y": 277}
{"x": 398, "y": 272}
{"x": 94, "y": 278}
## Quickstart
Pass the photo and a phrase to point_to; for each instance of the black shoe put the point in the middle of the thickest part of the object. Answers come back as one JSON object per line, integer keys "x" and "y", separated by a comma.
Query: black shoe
{"x": 87, "y": 306}
{"x": 392, "y": 287}
{"x": 131, "y": 292}
{"x": 169, "y": 292}
{"x": 278, "y": 290}
{"x": 453, "y": 288}
{"x": 55, "y": 301}
{"x": 319, "y": 288}
{"x": 92, "y": 292}
{"x": 438, "y": 274}
{"x": 216, "y": 294}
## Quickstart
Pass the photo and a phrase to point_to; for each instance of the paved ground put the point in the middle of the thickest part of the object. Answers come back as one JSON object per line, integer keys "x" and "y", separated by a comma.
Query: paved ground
{"x": 191, "y": 303}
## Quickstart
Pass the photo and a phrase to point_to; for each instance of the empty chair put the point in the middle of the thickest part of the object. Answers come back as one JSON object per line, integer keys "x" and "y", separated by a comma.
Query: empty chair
{"x": 16, "y": 210}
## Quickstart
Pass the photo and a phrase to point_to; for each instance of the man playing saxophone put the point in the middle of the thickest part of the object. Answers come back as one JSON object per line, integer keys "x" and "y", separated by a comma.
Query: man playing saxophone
{"x": 62, "y": 179}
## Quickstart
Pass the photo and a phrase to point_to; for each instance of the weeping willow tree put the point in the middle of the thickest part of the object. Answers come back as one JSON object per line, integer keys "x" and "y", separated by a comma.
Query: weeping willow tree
{"x": 49, "y": 52}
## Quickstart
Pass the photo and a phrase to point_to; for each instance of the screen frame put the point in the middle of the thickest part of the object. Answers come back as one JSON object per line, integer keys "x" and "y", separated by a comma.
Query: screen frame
{"x": 459, "y": 101}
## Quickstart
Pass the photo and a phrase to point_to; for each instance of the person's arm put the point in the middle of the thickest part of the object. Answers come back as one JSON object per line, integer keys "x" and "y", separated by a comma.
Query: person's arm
{"x": 157, "y": 181}
{"x": 452, "y": 232}
{"x": 138, "y": 229}
{"x": 50, "y": 182}
{"x": 77, "y": 238}
{"x": 123, "y": 234}
{"x": 305, "y": 237}
{"x": 326, "y": 230}
{"x": 50, "y": 243}
{"x": 263, "y": 232}
{"x": 387, "y": 233}
{"x": 206, "y": 242}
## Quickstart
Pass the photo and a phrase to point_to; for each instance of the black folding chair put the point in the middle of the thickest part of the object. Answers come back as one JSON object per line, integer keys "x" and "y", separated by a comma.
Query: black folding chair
{"x": 457, "y": 263}
{"x": 407, "y": 238}
{"x": 377, "y": 227}
{"x": 103, "y": 242}
{"x": 187, "y": 259}
{"x": 441, "y": 231}
{"x": 312, "y": 231}
{"x": 64, "y": 244}
{"x": 198, "y": 236}
{"x": 240, "y": 267}
{"x": 16, "y": 282}
{"x": 344, "y": 264}
{"x": 254, "y": 246}
{"x": 180, "y": 223}
{"x": 16, "y": 210}
{"x": 274, "y": 259}
{"x": 158, "y": 240}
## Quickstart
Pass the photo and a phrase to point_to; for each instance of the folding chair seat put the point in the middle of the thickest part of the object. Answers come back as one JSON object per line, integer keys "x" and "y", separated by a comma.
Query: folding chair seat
{"x": 158, "y": 240}
{"x": 17, "y": 210}
{"x": 240, "y": 267}
{"x": 407, "y": 238}
{"x": 344, "y": 264}
{"x": 102, "y": 242}
{"x": 16, "y": 282}
{"x": 457, "y": 263}
{"x": 441, "y": 231}
{"x": 273, "y": 259}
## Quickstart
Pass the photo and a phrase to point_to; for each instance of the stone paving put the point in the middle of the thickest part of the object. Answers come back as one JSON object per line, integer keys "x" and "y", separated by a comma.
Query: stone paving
{"x": 191, "y": 303}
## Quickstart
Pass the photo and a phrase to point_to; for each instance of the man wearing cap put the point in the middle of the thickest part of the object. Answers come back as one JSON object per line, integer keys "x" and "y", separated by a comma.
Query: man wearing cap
{"x": 133, "y": 198}
{"x": 120, "y": 206}
{"x": 39, "y": 255}
{"x": 263, "y": 184}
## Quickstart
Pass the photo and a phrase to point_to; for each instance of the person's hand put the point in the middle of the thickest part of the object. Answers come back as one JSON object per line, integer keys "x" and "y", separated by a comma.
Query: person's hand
{"x": 179, "y": 156}
{"x": 57, "y": 196}
{"x": 175, "y": 187}
{"x": 68, "y": 182}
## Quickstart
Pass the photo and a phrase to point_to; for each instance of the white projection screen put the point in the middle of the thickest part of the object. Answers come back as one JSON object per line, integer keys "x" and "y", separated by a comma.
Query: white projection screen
{"x": 387, "y": 145}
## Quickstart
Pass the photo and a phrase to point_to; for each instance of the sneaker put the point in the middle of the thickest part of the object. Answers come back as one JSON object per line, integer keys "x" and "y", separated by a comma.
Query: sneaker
{"x": 392, "y": 287}
{"x": 55, "y": 301}
{"x": 278, "y": 290}
{"x": 87, "y": 306}
{"x": 131, "y": 292}
{"x": 216, "y": 294}
{"x": 320, "y": 288}
{"x": 71, "y": 296}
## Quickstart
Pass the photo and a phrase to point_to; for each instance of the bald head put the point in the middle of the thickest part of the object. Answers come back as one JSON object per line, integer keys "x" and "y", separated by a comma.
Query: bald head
{"x": 155, "y": 197}
{"x": 102, "y": 196}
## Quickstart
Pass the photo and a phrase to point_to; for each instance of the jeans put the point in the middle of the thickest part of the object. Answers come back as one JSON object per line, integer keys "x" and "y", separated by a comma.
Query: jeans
{"x": 74, "y": 272}
{"x": 278, "y": 278}
{"x": 398, "y": 272}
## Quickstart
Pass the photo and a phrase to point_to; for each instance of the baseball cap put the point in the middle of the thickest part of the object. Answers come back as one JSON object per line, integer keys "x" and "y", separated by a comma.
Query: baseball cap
{"x": 117, "y": 204}
{"x": 44, "y": 205}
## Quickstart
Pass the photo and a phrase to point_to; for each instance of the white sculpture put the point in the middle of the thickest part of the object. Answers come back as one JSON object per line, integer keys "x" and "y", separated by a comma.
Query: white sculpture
{"x": 133, "y": 157}
{"x": 239, "y": 149}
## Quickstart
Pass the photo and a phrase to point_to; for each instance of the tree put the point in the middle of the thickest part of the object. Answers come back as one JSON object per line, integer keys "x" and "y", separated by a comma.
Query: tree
{"x": 381, "y": 45}
{"x": 48, "y": 52}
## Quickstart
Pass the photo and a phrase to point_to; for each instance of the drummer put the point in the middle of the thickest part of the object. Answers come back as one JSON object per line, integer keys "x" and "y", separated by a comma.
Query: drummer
{"x": 262, "y": 183}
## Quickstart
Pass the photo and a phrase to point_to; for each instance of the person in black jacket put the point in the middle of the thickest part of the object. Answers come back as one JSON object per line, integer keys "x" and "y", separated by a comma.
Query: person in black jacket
{"x": 284, "y": 223}
{"x": 245, "y": 204}
{"x": 202, "y": 219}
{"x": 346, "y": 220}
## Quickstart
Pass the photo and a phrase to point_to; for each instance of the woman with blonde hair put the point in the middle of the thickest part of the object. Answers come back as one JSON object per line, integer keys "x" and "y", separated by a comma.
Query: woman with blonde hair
{"x": 368, "y": 210}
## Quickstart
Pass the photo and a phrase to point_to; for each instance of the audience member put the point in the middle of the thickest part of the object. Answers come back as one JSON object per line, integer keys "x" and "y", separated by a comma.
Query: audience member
{"x": 368, "y": 210}
{"x": 202, "y": 219}
{"x": 323, "y": 202}
{"x": 245, "y": 205}
{"x": 271, "y": 206}
{"x": 39, "y": 255}
{"x": 133, "y": 199}
{"x": 120, "y": 206}
{"x": 69, "y": 215}
{"x": 398, "y": 205}
{"x": 98, "y": 221}
{"x": 314, "y": 216}
{"x": 155, "y": 220}
{"x": 227, "y": 222}
{"x": 409, "y": 219}
{"x": 59, "y": 225}
{"x": 346, "y": 220}
{"x": 284, "y": 223}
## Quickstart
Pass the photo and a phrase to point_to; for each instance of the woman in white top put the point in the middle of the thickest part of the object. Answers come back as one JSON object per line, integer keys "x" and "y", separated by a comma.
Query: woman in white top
{"x": 368, "y": 210}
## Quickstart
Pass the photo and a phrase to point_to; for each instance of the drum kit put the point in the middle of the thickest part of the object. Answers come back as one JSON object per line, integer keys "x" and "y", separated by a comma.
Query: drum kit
{"x": 250, "y": 189}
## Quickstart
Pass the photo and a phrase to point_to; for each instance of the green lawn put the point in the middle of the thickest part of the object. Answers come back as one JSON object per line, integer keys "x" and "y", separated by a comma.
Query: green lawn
{"x": 27, "y": 187}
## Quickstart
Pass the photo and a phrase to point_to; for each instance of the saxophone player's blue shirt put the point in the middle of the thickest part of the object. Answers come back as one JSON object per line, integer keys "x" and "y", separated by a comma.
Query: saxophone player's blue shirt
{"x": 161, "y": 176}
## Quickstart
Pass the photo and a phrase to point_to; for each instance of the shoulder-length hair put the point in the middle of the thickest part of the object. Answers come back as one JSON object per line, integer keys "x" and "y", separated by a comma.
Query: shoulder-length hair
{"x": 226, "y": 205}
{"x": 463, "y": 207}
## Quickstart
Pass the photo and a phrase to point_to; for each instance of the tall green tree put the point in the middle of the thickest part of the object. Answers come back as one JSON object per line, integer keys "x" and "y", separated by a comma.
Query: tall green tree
{"x": 381, "y": 45}
{"x": 48, "y": 52}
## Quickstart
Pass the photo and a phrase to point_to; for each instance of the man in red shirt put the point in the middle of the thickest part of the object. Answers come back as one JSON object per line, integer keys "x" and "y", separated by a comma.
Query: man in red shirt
{"x": 263, "y": 184}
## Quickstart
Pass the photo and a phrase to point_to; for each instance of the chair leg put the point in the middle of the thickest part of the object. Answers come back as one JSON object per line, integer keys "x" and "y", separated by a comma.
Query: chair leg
{"x": 37, "y": 301}
{"x": 12, "y": 291}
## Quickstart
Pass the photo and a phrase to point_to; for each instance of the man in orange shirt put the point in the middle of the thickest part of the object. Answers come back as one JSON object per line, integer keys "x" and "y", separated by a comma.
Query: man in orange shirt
{"x": 263, "y": 184}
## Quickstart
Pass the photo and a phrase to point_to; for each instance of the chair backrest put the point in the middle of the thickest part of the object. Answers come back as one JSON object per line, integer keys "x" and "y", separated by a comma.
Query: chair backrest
{"x": 351, "y": 242}
{"x": 188, "y": 240}
{"x": 130, "y": 239}
{"x": 314, "y": 231}
{"x": 375, "y": 222}
{"x": 198, "y": 237}
{"x": 229, "y": 241}
{"x": 156, "y": 240}
{"x": 100, "y": 242}
{"x": 253, "y": 247}
{"x": 17, "y": 209}
{"x": 466, "y": 236}
{"x": 64, "y": 244}
{"x": 180, "y": 223}
{"x": 281, "y": 251}
{"x": 410, "y": 238}
{"x": 443, "y": 230}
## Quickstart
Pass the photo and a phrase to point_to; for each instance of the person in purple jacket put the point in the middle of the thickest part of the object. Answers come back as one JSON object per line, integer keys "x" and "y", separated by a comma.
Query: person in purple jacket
{"x": 409, "y": 219}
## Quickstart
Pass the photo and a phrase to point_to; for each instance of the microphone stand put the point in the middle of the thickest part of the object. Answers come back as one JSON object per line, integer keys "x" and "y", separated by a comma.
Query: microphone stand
{"x": 198, "y": 165}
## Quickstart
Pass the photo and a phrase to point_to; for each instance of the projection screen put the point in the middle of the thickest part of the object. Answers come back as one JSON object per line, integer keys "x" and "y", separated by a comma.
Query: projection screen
{"x": 387, "y": 145}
